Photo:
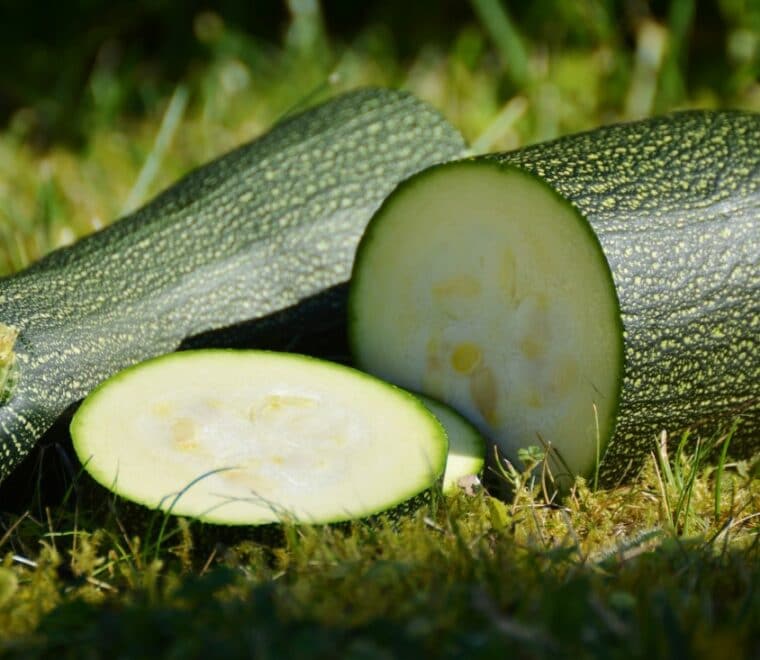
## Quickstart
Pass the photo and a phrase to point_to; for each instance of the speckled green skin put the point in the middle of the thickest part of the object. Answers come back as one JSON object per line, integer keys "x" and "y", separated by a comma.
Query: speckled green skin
{"x": 244, "y": 236}
{"x": 675, "y": 202}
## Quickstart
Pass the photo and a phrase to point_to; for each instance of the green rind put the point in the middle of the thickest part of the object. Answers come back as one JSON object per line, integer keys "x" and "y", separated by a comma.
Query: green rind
{"x": 404, "y": 502}
{"x": 675, "y": 203}
{"x": 245, "y": 236}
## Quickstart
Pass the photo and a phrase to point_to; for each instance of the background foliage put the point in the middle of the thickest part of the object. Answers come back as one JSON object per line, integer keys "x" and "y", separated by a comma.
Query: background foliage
{"x": 93, "y": 94}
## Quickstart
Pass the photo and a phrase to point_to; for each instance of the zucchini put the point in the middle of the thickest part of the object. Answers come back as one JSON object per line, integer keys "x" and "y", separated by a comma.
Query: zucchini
{"x": 467, "y": 446}
{"x": 255, "y": 437}
{"x": 245, "y": 236}
{"x": 581, "y": 294}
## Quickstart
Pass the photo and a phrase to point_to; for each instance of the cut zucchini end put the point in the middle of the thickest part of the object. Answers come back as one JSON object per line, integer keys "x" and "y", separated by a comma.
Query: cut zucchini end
{"x": 467, "y": 446}
{"x": 477, "y": 284}
{"x": 252, "y": 437}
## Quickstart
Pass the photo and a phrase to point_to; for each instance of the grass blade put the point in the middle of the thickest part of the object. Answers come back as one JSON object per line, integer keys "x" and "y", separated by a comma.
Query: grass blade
{"x": 497, "y": 22}
{"x": 722, "y": 466}
{"x": 169, "y": 124}
{"x": 671, "y": 83}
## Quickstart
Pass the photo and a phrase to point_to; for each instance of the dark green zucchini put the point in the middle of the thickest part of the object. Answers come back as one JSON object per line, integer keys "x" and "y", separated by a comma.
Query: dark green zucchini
{"x": 582, "y": 294}
{"x": 247, "y": 235}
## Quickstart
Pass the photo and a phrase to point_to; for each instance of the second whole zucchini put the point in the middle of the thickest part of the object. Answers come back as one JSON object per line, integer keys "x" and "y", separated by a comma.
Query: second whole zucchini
{"x": 581, "y": 294}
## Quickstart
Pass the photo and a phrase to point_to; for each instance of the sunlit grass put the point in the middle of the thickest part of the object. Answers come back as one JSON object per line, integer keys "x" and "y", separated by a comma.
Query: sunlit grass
{"x": 468, "y": 572}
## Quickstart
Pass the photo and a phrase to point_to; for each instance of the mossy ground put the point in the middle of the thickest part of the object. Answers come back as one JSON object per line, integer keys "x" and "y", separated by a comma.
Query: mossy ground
{"x": 662, "y": 567}
{"x": 666, "y": 566}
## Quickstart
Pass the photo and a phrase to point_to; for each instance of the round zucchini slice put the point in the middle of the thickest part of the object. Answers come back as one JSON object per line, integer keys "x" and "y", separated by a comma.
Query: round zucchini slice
{"x": 467, "y": 447}
{"x": 479, "y": 285}
{"x": 254, "y": 437}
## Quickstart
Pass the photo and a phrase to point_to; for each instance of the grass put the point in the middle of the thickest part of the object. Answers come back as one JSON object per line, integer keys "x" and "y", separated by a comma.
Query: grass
{"x": 665, "y": 566}
{"x": 600, "y": 574}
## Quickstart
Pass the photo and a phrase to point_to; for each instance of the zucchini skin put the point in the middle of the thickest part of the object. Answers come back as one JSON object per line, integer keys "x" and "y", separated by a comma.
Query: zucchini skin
{"x": 675, "y": 204}
{"x": 247, "y": 235}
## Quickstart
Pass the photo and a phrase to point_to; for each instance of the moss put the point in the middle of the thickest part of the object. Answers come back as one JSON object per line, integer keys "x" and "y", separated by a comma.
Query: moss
{"x": 594, "y": 573}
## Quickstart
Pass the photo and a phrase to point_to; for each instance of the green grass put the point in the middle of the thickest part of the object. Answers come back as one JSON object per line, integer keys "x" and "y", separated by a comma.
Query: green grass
{"x": 666, "y": 566}
{"x": 599, "y": 574}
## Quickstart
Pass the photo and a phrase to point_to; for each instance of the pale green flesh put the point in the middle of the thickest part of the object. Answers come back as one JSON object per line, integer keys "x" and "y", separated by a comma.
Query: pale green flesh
{"x": 467, "y": 447}
{"x": 277, "y": 436}
{"x": 479, "y": 286}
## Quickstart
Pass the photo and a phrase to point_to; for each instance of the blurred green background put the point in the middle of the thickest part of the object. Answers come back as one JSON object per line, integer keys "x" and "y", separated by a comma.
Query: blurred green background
{"x": 102, "y": 104}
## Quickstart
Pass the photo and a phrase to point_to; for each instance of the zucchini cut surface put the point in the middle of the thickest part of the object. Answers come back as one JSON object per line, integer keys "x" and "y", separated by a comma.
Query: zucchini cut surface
{"x": 480, "y": 286}
{"x": 252, "y": 437}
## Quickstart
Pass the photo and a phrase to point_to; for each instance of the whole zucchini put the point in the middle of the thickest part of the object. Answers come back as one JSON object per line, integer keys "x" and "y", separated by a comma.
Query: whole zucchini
{"x": 249, "y": 234}
{"x": 581, "y": 294}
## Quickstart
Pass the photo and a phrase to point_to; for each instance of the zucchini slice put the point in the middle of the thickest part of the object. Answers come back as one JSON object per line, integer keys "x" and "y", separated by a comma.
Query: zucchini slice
{"x": 581, "y": 295}
{"x": 467, "y": 446}
{"x": 253, "y": 437}
{"x": 462, "y": 291}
